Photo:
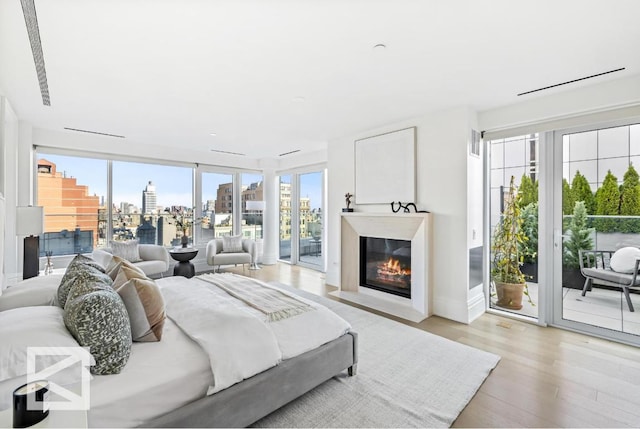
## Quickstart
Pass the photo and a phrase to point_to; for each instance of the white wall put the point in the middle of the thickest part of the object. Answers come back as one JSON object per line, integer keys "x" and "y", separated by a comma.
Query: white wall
{"x": 441, "y": 161}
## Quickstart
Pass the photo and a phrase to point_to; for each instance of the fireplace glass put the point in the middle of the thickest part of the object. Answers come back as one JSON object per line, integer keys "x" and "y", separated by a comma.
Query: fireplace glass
{"x": 385, "y": 265}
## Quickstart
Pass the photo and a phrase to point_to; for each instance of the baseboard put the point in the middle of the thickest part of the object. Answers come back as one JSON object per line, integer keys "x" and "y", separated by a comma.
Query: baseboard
{"x": 451, "y": 309}
{"x": 476, "y": 306}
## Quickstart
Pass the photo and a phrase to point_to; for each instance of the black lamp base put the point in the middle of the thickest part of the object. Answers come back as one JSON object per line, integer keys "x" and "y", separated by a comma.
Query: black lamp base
{"x": 31, "y": 264}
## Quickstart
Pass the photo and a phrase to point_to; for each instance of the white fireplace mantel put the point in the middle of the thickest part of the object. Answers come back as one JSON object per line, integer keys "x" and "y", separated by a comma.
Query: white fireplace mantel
{"x": 414, "y": 227}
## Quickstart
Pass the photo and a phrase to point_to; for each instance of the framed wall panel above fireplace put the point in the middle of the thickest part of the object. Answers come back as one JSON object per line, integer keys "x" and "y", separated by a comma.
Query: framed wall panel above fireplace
{"x": 385, "y": 168}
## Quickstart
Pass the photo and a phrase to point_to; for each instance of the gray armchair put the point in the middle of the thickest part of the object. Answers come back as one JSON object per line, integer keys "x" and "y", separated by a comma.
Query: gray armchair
{"x": 216, "y": 256}
{"x": 593, "y": 265}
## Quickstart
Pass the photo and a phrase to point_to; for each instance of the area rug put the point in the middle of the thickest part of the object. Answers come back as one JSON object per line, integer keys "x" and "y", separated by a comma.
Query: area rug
{"x": 406, "y": 378}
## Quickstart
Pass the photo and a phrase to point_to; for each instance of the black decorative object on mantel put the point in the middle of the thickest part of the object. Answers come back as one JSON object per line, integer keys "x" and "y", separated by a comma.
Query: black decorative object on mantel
{"x": 347, "y": 198}
{"x": 406, "y": 208}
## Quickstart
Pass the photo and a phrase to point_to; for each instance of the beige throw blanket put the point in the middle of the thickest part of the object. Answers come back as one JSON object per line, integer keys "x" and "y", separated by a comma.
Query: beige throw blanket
{"x": 275, "y": 304}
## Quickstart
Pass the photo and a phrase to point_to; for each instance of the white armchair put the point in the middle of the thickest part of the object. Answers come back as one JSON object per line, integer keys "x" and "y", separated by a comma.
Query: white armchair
{"x": 155, "y": 259}
{"x": 217, "y": 257}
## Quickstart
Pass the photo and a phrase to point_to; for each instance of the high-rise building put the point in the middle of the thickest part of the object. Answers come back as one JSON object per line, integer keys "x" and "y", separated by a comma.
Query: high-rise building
{"x": 149, "y": 199}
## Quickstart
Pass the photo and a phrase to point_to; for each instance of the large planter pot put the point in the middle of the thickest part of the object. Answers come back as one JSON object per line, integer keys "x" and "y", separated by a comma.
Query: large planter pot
{"x": 572, "y": 278}
{"x": 510, "y": 295}
{"x": 530, "y": 270}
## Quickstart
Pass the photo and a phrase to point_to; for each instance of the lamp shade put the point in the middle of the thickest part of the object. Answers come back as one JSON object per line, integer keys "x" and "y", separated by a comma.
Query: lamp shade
{"x": 255, "y": 205}
{"x": 29, "y": 220}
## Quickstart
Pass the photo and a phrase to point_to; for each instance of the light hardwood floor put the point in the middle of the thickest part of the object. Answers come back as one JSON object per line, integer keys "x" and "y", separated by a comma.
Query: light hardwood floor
{"x": 547, "y": 377}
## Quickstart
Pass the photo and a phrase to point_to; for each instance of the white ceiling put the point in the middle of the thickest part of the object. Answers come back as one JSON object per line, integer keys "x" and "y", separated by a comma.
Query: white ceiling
{"x": 170, "y": 72}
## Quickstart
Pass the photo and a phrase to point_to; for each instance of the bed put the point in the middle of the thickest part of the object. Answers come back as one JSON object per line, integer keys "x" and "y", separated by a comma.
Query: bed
{"x": 178, "y": 381}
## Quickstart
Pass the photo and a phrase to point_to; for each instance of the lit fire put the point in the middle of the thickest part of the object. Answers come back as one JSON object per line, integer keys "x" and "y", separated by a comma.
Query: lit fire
{"x": 392, "y": 268}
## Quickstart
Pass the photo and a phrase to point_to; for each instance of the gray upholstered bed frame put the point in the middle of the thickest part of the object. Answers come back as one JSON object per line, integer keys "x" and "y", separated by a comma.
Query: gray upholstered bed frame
{"x": 247, "y": 402}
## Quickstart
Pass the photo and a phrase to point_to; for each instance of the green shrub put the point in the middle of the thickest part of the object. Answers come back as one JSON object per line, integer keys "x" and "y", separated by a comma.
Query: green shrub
{"x": 567, "y": 198}
{"x": 608, "y": 204}
{"x": 579, "y": 237}
{"x": 630, "y": 200}
{"x": 581, "y": 191}
{"x": 528, "y": 191}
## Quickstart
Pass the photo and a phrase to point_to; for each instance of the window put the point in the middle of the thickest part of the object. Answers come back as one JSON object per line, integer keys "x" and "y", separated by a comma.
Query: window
{"x": 217, "y": 213}
{"x": 152, "y": 203}
{"x": 72, "y": 191}
{"x": 252, "y": 201}
{"x": 89, "y": 202}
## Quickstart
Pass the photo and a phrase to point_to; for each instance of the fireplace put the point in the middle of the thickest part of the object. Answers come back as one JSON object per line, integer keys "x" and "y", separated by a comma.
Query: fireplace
{"x": 385, "y": 265}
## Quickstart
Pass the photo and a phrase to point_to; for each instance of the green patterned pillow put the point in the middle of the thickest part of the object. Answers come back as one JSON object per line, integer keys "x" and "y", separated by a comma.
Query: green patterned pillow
{"x": 87, "y": 279}
{"x": 79, "y": 264}
{"x": 99, "y": 320}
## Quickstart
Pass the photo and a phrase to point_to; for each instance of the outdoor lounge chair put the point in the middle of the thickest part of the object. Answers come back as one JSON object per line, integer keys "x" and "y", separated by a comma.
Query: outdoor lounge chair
{"x": 593, "y": 266}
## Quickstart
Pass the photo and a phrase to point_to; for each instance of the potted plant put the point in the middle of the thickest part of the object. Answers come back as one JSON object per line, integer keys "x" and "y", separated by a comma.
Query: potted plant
{"x": 579, "y": 239}
{"x": 508, "y": 238}
{"x": 184, "y": 221}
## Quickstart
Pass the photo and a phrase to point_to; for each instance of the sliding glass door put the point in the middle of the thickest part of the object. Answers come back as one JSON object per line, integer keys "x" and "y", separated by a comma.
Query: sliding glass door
{"x": 514, "y": 161}
{"x": 310, "y": 218}
{"x": 301, "y": 218}
{"x": 285, "y": 218}
{"x": 597, "y": 212}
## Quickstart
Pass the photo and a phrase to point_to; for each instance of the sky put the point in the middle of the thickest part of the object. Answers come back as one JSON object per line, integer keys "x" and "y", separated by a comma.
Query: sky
{"x": 173, "y": 184}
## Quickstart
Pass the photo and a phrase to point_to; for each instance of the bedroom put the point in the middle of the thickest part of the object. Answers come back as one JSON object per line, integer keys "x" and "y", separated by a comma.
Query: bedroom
{"x": 107, "y": 81}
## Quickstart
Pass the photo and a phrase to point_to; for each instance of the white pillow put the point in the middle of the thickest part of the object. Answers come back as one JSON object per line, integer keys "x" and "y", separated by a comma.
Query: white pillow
{"x": 34, "y": 327}
{"x": 127, "y": 250}
{"x": 40, "y": 290}
{"x": 624, "y": 260}
{"x": 232, "y": 244}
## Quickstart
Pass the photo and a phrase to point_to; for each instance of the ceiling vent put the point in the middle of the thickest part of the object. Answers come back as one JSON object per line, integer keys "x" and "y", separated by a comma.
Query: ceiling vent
{"x": 571, "y": 81}
{"x": 31, "y": 20}
{"x": 94, "y": 132}
{"x": 289, "y": 153}
{"x": 228, "y": 152}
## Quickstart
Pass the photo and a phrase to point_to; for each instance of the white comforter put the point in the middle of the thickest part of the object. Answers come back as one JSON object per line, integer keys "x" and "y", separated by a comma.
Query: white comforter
{"x": 238, "y": 339}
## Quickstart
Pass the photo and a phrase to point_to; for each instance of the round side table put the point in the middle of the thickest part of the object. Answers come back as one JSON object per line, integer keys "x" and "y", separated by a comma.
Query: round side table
{"x": 184, "y": 267}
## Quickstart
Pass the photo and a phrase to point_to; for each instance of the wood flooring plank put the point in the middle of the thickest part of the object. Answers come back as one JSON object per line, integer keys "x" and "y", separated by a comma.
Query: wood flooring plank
{"x": 547, "y": 377}
{"x": 488, "y": 412}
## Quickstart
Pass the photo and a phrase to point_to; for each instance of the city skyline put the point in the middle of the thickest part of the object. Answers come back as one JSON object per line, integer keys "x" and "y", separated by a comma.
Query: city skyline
{"x": 173, "y": 184}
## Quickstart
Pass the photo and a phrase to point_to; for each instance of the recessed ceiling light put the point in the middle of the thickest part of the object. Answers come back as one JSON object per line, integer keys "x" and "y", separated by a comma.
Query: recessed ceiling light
{"x": 379, "y": 47}
{"x": 298, "y": 99}
{"x": 212, "y": 134}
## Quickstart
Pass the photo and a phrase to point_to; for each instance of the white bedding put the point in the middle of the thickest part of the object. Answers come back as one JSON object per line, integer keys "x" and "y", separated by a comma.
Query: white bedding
{"x": 239, "y": 340}
{"x": 163, "y": 376}
{"x": 159, "y": 377}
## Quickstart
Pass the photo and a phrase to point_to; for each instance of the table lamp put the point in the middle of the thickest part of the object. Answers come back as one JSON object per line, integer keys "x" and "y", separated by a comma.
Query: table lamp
{"x": 30, "y": 223}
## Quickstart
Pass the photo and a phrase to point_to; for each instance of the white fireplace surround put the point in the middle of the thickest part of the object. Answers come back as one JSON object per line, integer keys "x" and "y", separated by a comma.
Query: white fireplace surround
{"x": 414, "y": 227}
